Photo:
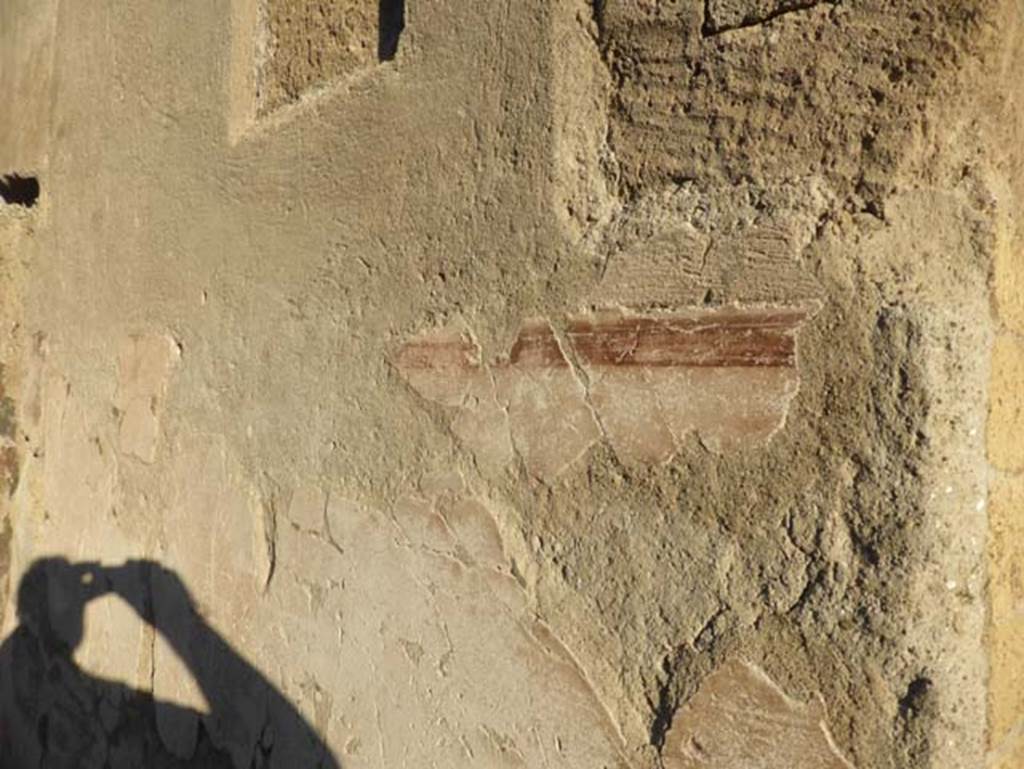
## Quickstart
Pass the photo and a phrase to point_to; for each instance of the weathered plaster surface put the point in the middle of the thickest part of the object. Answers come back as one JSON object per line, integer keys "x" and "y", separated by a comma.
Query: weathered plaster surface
{"x": 738, "y": 700}
{"x": 619, "y": 384}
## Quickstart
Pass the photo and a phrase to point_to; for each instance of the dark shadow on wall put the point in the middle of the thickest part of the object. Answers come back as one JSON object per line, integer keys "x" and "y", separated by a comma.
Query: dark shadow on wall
{"x": 390, "y": 24}
{"x": 19, "y": 190}
{"x": 56, "y": 716}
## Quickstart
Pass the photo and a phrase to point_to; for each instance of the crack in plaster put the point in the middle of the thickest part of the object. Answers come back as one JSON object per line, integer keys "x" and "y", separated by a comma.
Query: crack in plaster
{"x": 710, "y": 28}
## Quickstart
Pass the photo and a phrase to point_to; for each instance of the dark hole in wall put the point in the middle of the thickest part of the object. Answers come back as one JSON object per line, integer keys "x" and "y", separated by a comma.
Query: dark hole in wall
{"x": 916, "y": 712}
{"x": 391, "y": 22}
{"x": 914, "y": 701}
{"x": 19, "y": 190}
{"x": 597, "y": 8}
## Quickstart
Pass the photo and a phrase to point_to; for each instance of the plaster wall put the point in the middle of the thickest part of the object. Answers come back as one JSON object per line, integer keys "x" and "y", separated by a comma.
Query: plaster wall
{"x": 619, "y": 384}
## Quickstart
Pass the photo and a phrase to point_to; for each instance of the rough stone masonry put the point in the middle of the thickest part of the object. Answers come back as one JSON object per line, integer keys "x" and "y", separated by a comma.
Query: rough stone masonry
{"x": 623, "y": 384}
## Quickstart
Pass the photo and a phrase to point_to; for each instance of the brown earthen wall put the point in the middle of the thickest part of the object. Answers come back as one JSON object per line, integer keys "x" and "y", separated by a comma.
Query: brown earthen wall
{"x": 628, "y": 383}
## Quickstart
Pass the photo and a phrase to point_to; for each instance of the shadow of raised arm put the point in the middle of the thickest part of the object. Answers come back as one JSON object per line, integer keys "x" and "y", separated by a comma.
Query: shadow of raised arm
{"x": 247, "y": 712}
{"x": 53, "y": 713}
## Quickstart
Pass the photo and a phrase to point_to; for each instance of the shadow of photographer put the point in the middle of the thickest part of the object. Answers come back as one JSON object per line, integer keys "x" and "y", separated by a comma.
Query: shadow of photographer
{"x": 55, "y": 715}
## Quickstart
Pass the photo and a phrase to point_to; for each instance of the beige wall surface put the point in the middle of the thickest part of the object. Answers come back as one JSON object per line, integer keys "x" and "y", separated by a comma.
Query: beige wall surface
{"x": 632, "y": 383}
